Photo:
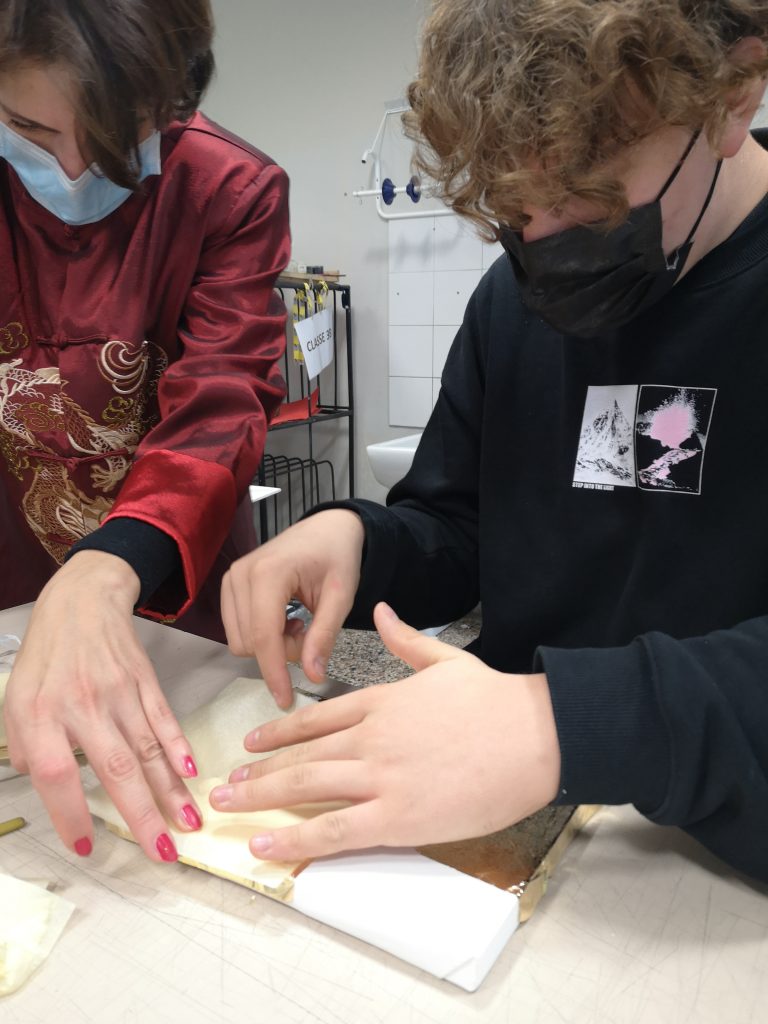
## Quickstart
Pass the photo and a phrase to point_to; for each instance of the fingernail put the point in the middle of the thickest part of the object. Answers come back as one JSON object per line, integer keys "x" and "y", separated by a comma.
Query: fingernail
{"x": 190, "y": 817}
{"x": 166, "y": 849}
{"x": 252, "y": 738}
{"x": 321, "y": 665}
{"x": 239, "y": 774}
{"x": 190, "y": 768}
{"x": 262, "y": 843}
{"x": 83, "y": 847}
{"x": 388, "y": 613}
{"x": 222, "y": 795}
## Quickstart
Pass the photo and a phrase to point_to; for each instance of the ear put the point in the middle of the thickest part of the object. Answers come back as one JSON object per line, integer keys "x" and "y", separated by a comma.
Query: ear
{"x": 745, "y": 100}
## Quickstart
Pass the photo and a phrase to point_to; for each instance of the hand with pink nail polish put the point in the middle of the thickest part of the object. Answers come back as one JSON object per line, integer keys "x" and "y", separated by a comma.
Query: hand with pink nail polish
{"x": 82, "y": 679}
{"x": 317, "y": 561}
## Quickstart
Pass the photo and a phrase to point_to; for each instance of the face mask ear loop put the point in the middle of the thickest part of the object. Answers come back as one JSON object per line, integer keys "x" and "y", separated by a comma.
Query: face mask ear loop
{"x": 672, "y": 260}
{"x": 666, "y": 186}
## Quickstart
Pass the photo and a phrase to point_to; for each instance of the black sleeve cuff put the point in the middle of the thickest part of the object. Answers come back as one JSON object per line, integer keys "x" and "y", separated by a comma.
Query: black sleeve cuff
{"x": 153, "y": 555}
{"x": 376, "y": 564}
{"x": 614, "y": 743}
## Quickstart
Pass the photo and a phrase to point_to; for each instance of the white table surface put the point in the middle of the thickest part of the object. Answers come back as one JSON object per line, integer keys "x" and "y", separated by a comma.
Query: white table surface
{"x": 639, "y": 926}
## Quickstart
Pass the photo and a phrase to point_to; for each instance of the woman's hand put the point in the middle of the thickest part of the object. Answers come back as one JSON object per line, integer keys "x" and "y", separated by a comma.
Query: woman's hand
{"x": 82, "y": 679}
{"x": 455, "y": 751}
{"x": 317, "y": 561}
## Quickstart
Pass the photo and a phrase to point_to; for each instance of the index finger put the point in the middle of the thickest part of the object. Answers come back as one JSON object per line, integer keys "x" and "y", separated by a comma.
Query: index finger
{"x": 311, "y": 722}
{"x": 256, "y": 625}
{"x": 55, "y": 774}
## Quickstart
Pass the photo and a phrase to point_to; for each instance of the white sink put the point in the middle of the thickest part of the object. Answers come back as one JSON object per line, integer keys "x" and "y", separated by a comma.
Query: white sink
{"x": 391, "y": 460}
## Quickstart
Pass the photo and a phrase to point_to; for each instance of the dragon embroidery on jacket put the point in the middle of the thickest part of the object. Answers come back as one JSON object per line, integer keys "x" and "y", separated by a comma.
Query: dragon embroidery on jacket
{"x": 43, "y": 432}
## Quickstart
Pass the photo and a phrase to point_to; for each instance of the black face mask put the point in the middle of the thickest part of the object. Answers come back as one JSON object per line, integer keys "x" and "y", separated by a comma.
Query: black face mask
{"x": 585, "y": 281}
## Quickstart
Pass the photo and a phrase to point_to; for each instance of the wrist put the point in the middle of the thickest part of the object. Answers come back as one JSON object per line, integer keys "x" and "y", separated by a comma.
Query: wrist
{"x": 545, "y": 745}
{"x": 108, "y": 572}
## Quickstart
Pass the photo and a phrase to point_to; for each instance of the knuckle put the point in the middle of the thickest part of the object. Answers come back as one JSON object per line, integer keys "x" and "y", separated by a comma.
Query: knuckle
{"x": 119, "y": 766}
{"x": 300, "y": 778}
{"x": 161, "y": 711}
{"x": 52, "y": 771}
{"x": 148, "y": 749}
{"x": 143, "y": 817}
{"x": 305, "y": 720}
{"x": 295, "y": 756}
{"x": 332, "y": 828}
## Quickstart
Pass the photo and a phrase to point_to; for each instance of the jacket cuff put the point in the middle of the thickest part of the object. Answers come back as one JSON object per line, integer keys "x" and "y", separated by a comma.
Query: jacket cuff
{"x": 151, "y": 553}
{"x": 614, "y": 742}
{"x": 190, "y": 500}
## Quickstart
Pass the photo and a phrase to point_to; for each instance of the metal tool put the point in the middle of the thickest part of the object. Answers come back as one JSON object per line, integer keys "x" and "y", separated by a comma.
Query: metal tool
{"x": 6, "y": 827}
{"x": 321, "y": 691}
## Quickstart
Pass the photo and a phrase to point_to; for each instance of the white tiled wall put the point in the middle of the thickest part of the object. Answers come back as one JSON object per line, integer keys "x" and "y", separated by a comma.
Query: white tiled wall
{"x": 435, "y": 264}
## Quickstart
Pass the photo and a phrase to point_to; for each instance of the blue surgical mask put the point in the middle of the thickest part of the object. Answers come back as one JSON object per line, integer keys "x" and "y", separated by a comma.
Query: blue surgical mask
{"x": 87, "y": 199}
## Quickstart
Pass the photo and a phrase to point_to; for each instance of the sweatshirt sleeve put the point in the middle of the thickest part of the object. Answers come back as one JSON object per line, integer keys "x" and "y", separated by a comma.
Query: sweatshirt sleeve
{"x": 675, "y": 727}
{"x": 215, "y": 401}
{"x": 421, "y": 552}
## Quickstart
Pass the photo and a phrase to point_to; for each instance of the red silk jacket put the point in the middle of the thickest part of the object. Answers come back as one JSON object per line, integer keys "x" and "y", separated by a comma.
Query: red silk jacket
{"x": 139, "y": 364}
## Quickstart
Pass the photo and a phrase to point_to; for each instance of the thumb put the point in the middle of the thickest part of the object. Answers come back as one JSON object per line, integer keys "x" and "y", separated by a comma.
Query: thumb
{"x": 409, "y": 644}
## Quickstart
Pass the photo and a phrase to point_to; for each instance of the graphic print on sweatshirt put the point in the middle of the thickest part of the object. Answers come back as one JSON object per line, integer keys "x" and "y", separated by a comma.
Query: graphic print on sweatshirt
{"x": 648, "y": 436}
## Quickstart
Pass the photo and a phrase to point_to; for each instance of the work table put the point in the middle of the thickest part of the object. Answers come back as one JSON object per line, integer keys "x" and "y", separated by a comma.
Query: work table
{"x": 639, "y": 926}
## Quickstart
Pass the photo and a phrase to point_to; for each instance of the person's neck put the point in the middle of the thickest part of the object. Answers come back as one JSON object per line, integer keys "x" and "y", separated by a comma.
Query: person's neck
{"x": 742, "y": 184}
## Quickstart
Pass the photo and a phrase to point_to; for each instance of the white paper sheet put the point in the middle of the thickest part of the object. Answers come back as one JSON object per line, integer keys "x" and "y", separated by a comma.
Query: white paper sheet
{"x": 430, "y": 915}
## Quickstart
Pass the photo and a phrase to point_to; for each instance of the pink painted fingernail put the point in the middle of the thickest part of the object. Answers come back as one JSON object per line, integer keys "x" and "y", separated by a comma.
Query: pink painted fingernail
{"x": 222, "y": 795}
{"x": 262, "y": 843}
{"x": 83, "y": 847}
{"x": 190, "y": 768}
{"x": 239, "y": 774}
{"x": 166, "y": 849}
{"x": 190, "y": 816}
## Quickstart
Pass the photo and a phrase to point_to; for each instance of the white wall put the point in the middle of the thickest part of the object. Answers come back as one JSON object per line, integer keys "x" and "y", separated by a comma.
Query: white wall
{"x": 307, "y": 83}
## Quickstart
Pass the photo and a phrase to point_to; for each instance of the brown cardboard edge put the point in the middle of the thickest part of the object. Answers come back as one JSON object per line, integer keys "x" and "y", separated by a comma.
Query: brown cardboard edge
{"x": 536, "y": 885}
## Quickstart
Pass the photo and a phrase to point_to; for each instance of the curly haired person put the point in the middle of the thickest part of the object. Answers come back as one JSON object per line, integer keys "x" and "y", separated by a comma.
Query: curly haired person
{"x": 593, "y": 471}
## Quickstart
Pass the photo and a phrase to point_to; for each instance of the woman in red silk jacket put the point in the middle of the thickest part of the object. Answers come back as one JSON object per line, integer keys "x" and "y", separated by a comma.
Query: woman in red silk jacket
{"x": 139, "y": 348}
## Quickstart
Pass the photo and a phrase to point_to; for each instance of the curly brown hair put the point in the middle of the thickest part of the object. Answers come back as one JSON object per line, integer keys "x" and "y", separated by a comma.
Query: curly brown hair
{"x": 132, "y": 59}
{"x": 523, "y": 102}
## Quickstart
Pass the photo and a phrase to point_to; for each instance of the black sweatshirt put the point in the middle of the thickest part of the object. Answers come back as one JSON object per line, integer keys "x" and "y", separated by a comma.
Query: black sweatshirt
{"x": 607, "y": 502}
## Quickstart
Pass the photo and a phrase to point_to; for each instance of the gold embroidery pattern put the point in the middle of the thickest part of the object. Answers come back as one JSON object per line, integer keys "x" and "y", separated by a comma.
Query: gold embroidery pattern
{"x": 34, "y": 403}
{"x": 13, "y": 338}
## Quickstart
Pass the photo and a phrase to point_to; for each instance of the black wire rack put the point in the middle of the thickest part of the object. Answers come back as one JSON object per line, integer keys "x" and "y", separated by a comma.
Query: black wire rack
{"x": 305, "y": 480}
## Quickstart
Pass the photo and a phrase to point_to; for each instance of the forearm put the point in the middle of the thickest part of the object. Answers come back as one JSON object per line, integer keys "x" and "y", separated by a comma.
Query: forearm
{"x": 675, "y": 727}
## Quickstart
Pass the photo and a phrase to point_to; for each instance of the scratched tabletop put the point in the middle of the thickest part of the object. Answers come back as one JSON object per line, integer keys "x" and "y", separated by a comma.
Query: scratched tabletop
{"x": 639, "y": 926}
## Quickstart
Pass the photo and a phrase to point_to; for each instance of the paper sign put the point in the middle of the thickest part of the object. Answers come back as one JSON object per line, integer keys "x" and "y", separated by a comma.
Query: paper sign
{"x": 315, "y": 335}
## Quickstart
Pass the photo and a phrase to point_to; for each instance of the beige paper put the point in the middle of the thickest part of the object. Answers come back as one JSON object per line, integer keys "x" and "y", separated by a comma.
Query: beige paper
{"x": 31, "y": 922}
{"x": 216, "y": 732}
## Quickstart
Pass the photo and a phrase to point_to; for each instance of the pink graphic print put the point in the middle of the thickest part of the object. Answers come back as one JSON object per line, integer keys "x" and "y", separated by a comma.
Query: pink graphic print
{"x": 671, "y": 431}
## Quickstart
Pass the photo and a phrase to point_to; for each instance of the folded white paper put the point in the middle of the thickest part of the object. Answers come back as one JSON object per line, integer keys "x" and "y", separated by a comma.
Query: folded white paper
{"x": 430, "y": 915}
{"x": 31, "y": 921}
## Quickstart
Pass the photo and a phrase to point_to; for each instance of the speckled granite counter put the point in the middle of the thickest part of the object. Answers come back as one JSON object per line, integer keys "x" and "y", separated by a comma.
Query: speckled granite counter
{"x": 510, "y": 858}
{"x": 361, "y": 658}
